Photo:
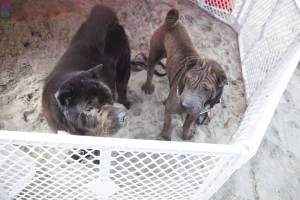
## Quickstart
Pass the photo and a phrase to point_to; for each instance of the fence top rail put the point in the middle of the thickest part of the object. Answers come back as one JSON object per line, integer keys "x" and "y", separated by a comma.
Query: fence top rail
{"x": 74, "y": 141}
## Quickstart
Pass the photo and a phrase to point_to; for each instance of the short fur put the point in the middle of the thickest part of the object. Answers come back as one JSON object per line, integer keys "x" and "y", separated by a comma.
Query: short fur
{"x": 196, "y": 84}
{"x": 79, "y": 93}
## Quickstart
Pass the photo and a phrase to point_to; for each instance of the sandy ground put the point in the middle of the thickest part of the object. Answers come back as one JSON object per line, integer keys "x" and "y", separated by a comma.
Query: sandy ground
{"x": 32, "y": 44}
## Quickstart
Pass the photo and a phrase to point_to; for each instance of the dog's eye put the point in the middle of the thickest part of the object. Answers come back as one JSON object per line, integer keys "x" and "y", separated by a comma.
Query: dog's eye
{"x": 205, "y": 89}
{"x": 89, "y": 109}
{"x": 189, "y": 79}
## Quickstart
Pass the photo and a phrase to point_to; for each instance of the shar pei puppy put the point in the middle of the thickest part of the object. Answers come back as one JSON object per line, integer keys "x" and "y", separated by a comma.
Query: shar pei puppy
{"x": 196, "y": 83}
{"x": 79, "y": 94}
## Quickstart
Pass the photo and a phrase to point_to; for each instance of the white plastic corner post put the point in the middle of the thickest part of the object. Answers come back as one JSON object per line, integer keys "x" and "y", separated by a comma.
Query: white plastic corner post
{"x": 104, "y": 187}
{"x": 247, "y": 152}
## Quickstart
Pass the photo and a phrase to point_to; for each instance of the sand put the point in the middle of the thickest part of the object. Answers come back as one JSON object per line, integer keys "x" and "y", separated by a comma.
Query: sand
{"x": 36, "y": 39}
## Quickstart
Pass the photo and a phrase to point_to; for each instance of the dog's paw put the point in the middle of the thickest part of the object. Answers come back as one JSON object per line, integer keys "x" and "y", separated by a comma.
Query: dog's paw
{"x": 163, "y": 138}
{"x": 148, "y": 88}
{"x": 188, "y": 137}
{"x": 125, "y": 103}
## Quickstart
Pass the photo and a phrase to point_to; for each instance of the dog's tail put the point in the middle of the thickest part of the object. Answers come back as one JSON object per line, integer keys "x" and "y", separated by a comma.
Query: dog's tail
{"x": 97, "y": 23}
{"x": 172, "y": 18}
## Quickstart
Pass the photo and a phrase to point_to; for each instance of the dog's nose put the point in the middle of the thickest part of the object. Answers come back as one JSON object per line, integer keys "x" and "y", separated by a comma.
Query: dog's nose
{"x": 185, "y": 105}
{"x": 123, "y": 118}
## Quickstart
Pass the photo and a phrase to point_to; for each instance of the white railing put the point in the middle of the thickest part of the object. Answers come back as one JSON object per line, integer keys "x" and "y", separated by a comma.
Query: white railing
{"x": 50, "y": 166}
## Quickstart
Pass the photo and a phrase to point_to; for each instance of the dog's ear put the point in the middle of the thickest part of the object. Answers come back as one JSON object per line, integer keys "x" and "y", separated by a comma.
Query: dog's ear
{"x": 95, "y": 70}
{"x": 65, "y": 95}
{"x": 222, "y": 79}
{"x": 191, "y": 62}
{"x": 219, "y": 72}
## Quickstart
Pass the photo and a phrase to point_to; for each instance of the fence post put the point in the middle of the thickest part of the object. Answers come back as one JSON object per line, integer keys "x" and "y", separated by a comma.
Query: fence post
{"x": 104, "y": 187}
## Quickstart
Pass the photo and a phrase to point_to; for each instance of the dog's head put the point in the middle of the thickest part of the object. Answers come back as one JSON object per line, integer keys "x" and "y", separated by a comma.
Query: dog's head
{"x": 87, "y": 105}
{"x": 202, "y": 85}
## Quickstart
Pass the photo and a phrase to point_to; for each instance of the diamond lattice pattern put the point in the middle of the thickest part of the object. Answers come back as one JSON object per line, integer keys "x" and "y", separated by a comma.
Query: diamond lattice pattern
{"x": 41, "y": 172}
{"x": 265, "y": 37}
{"x": 159, "y": 175}
{"x": 47, "y": 173}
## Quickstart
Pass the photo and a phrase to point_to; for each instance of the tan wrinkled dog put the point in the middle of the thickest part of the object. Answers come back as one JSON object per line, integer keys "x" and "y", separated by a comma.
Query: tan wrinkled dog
{"x": 196, "y": 84}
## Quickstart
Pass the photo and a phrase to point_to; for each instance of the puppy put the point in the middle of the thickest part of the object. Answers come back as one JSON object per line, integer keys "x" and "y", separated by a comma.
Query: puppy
{"x": 79, "y": 94}
{"x": 196, "y": 84}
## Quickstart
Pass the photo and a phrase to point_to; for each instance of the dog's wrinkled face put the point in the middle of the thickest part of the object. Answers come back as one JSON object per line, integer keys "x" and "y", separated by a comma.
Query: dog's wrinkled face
{"x": 88, "y": 106}
{"x": 201, "y": 86}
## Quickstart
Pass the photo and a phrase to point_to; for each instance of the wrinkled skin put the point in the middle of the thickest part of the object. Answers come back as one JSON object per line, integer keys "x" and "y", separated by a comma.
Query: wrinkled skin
{"x": 203, "y": 85}
{"x": 196, "y": 84}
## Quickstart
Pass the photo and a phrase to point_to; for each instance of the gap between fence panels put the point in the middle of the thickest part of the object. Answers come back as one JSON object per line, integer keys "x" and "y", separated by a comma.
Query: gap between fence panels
{"x": 221, "y": 176}
{"x": 217, "y": 178}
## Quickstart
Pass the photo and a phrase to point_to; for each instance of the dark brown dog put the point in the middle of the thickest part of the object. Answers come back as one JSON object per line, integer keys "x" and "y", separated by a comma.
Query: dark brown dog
{"x": 79, "y": 93}
{"x": 196, "y": 84}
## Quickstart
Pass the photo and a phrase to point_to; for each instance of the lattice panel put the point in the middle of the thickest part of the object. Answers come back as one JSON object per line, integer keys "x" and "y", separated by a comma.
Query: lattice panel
{"x": 159, "y": 175}
{"x": 251, "y": 30}
{"x": 222, "y": 9}
{"x": 265, "y": 37}
{"x": 55, "y": 172}
{"x": 48, "y": 173}
{"x": 265, "y": 99}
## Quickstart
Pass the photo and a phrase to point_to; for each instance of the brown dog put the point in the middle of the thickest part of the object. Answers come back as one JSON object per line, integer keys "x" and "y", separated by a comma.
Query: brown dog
{"x": 79, "y": 94}
{"x": 196, "y": 84}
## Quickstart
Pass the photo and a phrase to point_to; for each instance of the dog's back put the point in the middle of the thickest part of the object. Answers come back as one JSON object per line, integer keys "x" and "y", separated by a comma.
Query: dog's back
{"x": 96, "y": 26}
{"x": 88, "y": 44}
{"x": 173, "y": 34}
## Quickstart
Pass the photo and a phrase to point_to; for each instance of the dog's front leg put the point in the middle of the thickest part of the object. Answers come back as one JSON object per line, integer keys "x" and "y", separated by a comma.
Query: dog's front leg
{"x": 166, "y": 131}
{"x": 187, "y": 133}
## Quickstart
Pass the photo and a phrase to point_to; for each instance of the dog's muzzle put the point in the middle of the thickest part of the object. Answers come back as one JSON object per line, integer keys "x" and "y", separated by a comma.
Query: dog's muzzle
{"x": 123, "y": 119}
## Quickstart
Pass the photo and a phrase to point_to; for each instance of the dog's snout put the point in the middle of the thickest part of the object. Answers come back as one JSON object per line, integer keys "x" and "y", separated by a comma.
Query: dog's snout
{"x": 185, "y": 105}
{"x": 122, "y": 115}
{"x": 123, "y": 118}
{"x": 192, "y": 105}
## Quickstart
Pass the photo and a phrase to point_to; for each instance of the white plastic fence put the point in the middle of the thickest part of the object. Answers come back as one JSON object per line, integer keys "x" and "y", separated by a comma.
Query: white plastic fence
{"x": 49, "y": 166}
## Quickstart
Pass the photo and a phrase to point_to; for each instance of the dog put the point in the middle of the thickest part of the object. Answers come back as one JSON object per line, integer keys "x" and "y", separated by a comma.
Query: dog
{"x": 79, "y": 94}
{"x": 196, "y": 83}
